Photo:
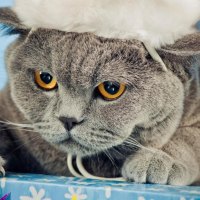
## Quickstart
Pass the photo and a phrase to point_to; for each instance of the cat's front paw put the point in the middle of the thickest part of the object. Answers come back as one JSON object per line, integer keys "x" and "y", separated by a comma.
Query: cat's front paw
{"x": 156, "y": 167}
{"x": 2, "y": 170}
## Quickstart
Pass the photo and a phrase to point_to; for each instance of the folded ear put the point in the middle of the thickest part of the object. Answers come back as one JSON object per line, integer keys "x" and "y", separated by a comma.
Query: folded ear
{"x": 183, "y": 57}
{"x": 11, "y": 22}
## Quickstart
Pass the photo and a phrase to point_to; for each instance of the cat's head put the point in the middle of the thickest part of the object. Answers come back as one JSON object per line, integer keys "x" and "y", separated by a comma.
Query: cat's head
{"x": 87, "y": 94}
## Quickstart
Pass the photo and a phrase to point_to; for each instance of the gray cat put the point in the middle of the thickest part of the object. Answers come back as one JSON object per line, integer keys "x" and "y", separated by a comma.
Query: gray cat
{"x": 103, "y": 99}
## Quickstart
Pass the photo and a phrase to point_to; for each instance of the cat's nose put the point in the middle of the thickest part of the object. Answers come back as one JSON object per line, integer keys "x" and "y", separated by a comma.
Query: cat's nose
{"x": 69, "y": 123}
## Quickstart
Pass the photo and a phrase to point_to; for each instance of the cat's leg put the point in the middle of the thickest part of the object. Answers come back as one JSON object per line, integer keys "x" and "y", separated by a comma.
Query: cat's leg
{"x": 2, "y": 170}
{"x": 175, "y": 164}
{"x": 6, "y": 150}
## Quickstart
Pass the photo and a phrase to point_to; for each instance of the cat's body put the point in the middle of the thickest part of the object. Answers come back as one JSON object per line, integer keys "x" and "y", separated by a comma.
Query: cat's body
{"x": 26, "y": 152}
{"x": 158, "y": 112}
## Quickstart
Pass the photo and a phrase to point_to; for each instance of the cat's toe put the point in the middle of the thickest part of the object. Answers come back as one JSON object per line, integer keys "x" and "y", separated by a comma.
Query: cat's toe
{"x": 157, "y": 167}
{"x": 136, "y": 166}
{"x": 148, "y": 167}
{"x": 180, "y": 175}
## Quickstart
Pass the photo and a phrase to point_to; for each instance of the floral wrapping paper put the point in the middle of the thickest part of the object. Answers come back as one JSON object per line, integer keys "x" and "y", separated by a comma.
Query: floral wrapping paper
{"x": 40, "y": 187}
{"x": 6, "y": 197}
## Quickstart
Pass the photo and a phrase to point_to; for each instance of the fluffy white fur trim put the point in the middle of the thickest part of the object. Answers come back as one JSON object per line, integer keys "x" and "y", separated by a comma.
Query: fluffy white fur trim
{"x": 158, "y": 22}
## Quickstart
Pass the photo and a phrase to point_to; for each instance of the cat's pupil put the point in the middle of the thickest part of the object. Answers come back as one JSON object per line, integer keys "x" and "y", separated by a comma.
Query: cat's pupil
{"x": 46, "y": 77}
{"x": 111, "y": 88}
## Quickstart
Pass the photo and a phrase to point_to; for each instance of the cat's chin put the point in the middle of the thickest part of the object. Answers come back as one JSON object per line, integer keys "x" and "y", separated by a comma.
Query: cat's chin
{"x": 70, "y": 146}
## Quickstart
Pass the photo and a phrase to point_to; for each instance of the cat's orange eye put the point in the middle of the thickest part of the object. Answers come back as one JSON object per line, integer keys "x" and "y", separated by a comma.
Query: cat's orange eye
{"x": 45, "y": 80}
{"x": 111, "y": 90}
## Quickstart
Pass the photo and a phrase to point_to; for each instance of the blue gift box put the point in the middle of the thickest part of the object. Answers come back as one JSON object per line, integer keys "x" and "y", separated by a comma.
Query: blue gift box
{"x": 6, "y": 197}
{"x": 40, "y": 187}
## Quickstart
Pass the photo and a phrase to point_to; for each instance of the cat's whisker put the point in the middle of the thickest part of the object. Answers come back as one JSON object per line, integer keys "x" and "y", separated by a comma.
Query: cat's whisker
{"x": 110, "y": 158}
{"x": 118, "y": 152}
{"x": 136, "y": 145}
{"x": 16, "y": 124}
{"x": 131, "y": 141}
{"x": 132, "y": 144}
{"x": 130, "y": 147}
{"x": 20, "y": 129}
{"x": 34, "y": 139}
{"x": 134, "y": 141}
{"x": 42, "y": 124}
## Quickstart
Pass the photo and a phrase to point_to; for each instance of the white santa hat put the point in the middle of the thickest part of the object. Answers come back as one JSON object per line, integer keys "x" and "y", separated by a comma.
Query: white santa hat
{"x": 158, "y": 22}
{"x": 154, "y": 22}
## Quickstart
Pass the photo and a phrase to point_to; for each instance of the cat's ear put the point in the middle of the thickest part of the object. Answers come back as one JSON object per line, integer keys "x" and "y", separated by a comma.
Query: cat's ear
{"x": 11, "y": 23}
{"x": 183, "y": 57}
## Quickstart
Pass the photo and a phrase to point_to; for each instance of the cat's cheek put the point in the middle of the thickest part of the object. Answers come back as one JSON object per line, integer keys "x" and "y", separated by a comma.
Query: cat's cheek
{"x": 32, "y": 103}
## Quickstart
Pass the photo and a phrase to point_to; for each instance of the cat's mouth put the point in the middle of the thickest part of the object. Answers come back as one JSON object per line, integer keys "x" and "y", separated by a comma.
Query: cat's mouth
{"x": 75, "y": 144}
{"x": 75, "y": 148}
{"x": 68, "y": 144}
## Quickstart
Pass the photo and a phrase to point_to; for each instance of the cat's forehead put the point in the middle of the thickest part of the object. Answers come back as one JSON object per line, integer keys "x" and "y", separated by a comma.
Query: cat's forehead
{"x": 85, "y": 59}
{"x": 54, "y": 38}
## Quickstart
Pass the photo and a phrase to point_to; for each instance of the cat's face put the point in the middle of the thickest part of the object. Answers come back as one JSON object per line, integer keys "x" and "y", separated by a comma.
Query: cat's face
{"x": 79, "y": 63}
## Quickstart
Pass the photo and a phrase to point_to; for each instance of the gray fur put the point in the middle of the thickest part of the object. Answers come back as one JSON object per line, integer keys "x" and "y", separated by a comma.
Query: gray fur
{"x": 151, "y": 133}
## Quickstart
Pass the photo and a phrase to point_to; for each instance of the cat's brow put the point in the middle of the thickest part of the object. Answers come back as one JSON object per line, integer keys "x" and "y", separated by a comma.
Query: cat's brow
{"x": 86, "y": 60}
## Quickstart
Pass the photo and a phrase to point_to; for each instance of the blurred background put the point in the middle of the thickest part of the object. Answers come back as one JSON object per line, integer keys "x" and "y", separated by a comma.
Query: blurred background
{"x": 4, "y": 41}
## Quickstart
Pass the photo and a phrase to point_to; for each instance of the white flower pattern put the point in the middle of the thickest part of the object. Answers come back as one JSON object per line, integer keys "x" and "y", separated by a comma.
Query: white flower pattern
{"x": 3, "y": 183}
{"x": 35, "y": 195}
{"x": 108, "y": 192}
{"x": 4, "y": 180}
{"x": 75, "y": 195}
{"x": 192, "y": 191}
{"x": 141, "y": 198}
{"x": 80, "y": 189}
